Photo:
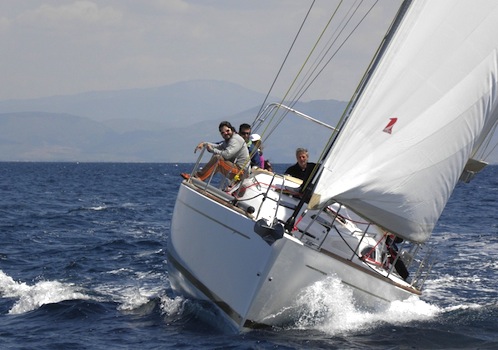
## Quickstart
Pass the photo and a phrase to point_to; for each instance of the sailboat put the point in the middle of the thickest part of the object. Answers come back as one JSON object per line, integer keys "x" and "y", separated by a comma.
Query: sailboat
{"x": 420, "y": 120}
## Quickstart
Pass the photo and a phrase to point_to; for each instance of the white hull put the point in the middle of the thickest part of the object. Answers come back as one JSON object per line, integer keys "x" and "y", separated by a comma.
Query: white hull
{"x": 215, "y": 254}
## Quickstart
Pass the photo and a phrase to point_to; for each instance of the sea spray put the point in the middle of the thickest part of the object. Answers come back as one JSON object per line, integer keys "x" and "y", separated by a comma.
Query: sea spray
{"x": 172, "y": 308}
{"x": 329, "y": 306}
{"x": 32, "y": 297}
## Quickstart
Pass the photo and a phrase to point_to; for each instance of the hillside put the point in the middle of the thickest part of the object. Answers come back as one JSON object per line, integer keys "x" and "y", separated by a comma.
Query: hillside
{"x": 172, "y": 105}
{"x": 149, "y": 125}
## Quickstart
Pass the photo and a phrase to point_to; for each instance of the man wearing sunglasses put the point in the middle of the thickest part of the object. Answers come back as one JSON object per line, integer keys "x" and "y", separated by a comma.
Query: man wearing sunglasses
{"x": 245, "y": 132}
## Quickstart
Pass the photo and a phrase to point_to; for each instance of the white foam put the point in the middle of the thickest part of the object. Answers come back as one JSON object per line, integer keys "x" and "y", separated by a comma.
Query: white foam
{"x": 133, "y": 298}
{"x": 172, "y": 308}
{"x": 98, "y": 208}
{"x": 471, "y": 306}
{"x": 447, "y": 289}
{"x": 32, "y": 297}
{"x": 329, "y": 307}
{"x": 179, "y": 309}
{"x": 130, "y": 297}
{"x": 120, "y": 271}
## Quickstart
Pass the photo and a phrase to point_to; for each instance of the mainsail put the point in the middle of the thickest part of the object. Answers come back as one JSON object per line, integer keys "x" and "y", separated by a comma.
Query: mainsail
{"x": 432, "y": 97}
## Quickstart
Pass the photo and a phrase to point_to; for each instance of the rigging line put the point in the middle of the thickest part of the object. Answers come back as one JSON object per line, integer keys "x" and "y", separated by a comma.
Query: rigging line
{"x": 403, "y": 8}
{"x": 337, "y": 50}
{"x": 312, "y": 50}
{"x": 352, "y": 101}
{"x": 303, "y": 90}
{"x": 305, "y": 62}
{"x": 312, "y": 72}
{"x": 285, "y": 59}
{"x": 336, "y": 131}
{"x": 328, "y": 47}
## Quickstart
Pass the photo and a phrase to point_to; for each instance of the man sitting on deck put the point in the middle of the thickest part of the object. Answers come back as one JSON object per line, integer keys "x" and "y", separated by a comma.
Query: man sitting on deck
{"x": 230, "y": 157}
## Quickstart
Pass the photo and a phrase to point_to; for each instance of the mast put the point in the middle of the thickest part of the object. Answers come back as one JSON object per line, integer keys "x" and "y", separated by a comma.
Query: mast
{"x": 375, "y": 61}
{"x": 308, "y": 190}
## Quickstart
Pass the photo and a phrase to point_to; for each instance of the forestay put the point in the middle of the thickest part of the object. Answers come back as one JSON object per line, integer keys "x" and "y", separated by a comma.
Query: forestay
{"x": 432, "y": 96}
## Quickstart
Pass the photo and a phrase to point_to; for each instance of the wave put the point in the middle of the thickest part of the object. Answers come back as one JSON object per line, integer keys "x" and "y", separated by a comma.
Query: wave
{"x": 129, "y": 299}
{"x": 329, "y": 306}
{"x": 133, "y": 298}
{"x": 31, "y": 297}
{"x": 195, "y": 315}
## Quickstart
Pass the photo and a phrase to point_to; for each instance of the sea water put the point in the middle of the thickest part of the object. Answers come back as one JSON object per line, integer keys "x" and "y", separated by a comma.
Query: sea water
{"x": 83, "y": 266}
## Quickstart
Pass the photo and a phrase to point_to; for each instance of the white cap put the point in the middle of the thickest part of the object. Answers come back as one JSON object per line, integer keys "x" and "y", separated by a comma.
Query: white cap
{"x": 255, "y": 137}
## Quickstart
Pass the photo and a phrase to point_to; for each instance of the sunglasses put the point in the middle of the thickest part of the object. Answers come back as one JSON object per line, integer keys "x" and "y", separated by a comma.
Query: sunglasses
{"x": 244, "y": 133}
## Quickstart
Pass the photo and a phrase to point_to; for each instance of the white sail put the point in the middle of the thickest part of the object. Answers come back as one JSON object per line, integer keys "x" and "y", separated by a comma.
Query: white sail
{"x": 410, "y": 134}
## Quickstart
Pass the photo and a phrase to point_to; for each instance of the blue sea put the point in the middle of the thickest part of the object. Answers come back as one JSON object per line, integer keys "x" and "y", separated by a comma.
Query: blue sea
{"x": 83, "y": 266}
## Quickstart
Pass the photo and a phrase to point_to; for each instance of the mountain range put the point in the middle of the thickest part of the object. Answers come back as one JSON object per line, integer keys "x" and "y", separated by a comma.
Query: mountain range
{"x": 160, "y": 124}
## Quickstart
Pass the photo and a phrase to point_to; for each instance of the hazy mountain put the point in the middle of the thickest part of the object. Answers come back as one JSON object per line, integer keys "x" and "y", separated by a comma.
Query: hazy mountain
{"x": 172, "y": 105}
{"x": 73, "y": 128}
{"x": 151, "y": 125}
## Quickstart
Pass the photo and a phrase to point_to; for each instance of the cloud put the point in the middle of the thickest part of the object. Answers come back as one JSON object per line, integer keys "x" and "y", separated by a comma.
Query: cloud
{"x": 78, "y": 11}
{"x": 176, "y": 6}
{"x": 55, "y": 47}
{"x": 4, "y": 24}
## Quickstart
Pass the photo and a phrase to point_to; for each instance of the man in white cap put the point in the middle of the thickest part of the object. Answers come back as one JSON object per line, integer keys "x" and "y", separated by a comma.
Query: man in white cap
{"x": 256, "y": 142}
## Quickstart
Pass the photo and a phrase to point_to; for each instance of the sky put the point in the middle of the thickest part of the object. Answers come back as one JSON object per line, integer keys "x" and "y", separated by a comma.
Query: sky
{"x": 64, "y": 47}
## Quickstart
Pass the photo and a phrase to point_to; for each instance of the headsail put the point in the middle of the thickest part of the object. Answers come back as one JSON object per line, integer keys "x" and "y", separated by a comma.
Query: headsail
{"x": 432, "y": 97}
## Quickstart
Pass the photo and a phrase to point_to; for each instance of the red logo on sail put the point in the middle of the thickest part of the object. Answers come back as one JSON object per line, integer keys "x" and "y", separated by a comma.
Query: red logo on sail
{"x": 389, "y": 126}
